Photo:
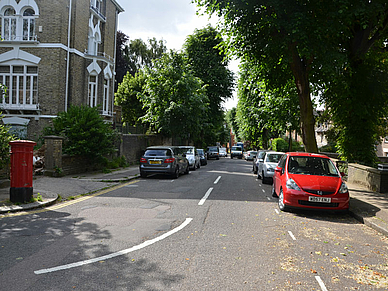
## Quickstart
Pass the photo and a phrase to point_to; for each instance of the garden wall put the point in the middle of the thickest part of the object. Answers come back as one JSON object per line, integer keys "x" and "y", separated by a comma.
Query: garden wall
{"x": 131, "y": 147}
{"x": 371, "y": 178}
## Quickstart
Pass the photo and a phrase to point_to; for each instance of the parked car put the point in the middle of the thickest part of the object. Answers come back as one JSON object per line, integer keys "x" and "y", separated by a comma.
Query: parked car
{"x": 192, "y": 156}
{"x": 266, "y": 169}
{"x": 251, "y": 155}
{"x": 213, "y": 152}
{"x": 258, "y": 159}
{"x": 310, "y": 181}
{"x": 163, "y": 160}
{"x": 223, "y": 152}
{"x": 202, "y": 157}
{"x": 236, "y": 151}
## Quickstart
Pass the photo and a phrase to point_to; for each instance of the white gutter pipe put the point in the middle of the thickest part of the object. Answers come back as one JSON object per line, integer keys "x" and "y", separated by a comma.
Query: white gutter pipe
{"x": 68, "y": 57}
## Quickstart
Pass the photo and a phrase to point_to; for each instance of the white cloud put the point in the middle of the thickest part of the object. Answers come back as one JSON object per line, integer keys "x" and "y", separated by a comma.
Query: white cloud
{"x": 170, "y": 20}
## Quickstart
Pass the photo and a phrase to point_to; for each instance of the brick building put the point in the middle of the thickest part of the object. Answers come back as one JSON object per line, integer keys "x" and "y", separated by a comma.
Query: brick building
{"x": 54, "y": 54}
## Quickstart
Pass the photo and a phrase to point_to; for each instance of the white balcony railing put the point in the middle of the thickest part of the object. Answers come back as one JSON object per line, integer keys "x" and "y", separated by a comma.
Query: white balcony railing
{"x": 20, "y": 38}
{"x": 98, "y": 13}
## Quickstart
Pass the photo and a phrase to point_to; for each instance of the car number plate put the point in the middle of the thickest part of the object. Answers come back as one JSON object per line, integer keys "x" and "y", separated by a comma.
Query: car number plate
{"x": 319, "y": 199}
{"x": 155, "y": 162}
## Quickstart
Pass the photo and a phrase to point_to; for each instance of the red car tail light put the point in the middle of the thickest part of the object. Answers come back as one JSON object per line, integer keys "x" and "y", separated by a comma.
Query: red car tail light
{"x": 169, "y": 161}
{"x": 143, "y": 160}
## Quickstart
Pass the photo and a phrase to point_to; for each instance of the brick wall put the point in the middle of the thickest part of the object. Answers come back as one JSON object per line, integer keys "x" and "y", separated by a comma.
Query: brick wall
{"x": 133, "y": 144}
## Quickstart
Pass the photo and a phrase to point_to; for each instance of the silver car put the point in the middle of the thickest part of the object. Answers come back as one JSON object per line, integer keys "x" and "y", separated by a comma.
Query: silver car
{"x": 192, "y": 156}
{"x": 258, "y": 160}
{"x": 266, "y": 168}
{"x": 163, "y": 160}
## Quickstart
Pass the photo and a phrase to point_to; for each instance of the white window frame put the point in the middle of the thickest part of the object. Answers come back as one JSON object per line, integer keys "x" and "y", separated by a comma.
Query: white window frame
{"x": 92, "y": 90}
{"x": 18, "y": 27}
{"x": 29, "y": 31}
{"x": 9, "y": 25}
{"x": 22, "y": 87}
{"x": 105, "y": 103}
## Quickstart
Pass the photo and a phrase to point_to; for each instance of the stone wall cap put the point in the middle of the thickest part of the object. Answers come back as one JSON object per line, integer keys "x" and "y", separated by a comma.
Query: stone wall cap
{"x": 53, "y": 137}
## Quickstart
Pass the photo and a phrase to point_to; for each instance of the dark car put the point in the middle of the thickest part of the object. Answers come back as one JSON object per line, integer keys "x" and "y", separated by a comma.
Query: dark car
{"x": 202, "y": 157}
{"x": 163, "y": 160}
{"x": 213, "y": 152}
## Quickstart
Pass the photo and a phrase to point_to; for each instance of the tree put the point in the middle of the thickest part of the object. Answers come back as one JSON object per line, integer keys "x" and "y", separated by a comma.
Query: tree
{"x": 121, "y": 64}
{"x": 127, "y": 96}
{"x": 174, "y": 99}
{"x": 336, "y": 47}
{"x": 281, "y": 36}
{"x": 357, "y": 93}
{"x": 209, "y": 64}
{"x": 139, "y": 54}
{"x": 231, "y": 121}
{"x": 263, "y": 113}
{"x": 85, "y": 131}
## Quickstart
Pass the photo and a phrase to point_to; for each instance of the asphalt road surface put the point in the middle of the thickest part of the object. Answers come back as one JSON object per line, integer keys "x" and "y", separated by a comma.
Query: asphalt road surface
{"x": 217, "y": 228}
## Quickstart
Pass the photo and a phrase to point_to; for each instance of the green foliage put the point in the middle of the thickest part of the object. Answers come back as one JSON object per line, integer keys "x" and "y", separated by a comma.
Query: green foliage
{"x": 86, "y": 134}
{"x": 279, "y": 145}
{"x": 140, "y": 55}
{"x": 360, "y": 127}
{"x": 263, "y": 113}
{"x": 5, "y": 138}
{"x": 333, "y": 46}
{"x": 174, "y": 99}
{"x": 128, "y": 97}
{"x": 297, "y": 146}
{"x": 209, "y": 63}
{"x": 280, "y": 39}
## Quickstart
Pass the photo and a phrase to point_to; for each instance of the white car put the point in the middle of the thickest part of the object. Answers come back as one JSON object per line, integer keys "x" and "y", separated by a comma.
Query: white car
{"x": 267, "y": 165}
{"x": 223, "y": 152}
{"x": 192, "y": 156}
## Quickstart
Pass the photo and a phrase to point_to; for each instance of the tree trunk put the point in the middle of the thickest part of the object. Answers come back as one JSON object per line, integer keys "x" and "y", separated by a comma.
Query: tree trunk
{"x": 300, "y": 72}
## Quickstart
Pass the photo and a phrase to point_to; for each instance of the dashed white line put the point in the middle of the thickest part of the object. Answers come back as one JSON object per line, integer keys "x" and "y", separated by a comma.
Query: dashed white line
{"x": 291, "y": 235}
{"x": 263, "y": 190}
{"x": 120, "y": 253}
{"x": 268, "y": 198}
{"x": 205, "y": 197}
{"x": 277, "y": 211}
{"x": 321, "y": 284}
{"x": 218, "y": 179}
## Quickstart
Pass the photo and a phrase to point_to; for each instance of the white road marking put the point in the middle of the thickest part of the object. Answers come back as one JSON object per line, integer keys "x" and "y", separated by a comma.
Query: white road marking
{"x": 120, "y": 253}
{"x": 277, "y": 211}
{"x": 231, "y": 173}
{"x": 291, "y": 235}
{"x": 269, "y": 199}
{"x": 218, "y": 179}
{"x": 263, "y": 190}
{"x": 321, "y": 284}
{"x": 205, "y": 197}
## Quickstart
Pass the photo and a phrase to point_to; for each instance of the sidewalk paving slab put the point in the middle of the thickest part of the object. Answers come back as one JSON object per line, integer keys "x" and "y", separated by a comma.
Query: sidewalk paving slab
{"x": 51, "y": 188}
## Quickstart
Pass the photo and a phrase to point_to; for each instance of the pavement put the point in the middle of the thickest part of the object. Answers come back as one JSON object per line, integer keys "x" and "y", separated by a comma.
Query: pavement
{"x": 368, "y": 207}
{"x": 55, "y": 189}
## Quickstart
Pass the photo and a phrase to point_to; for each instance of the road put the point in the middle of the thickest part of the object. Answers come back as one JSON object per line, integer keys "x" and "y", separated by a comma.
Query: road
{"x": 217, "y": 228}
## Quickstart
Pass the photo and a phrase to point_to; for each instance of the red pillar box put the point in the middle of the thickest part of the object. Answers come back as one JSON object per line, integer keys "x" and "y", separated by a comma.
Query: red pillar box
{"x": 21, "y": 170}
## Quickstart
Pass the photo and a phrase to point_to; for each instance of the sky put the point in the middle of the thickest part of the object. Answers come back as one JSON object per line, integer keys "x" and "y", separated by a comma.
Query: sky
{"x": 170, "y": 20}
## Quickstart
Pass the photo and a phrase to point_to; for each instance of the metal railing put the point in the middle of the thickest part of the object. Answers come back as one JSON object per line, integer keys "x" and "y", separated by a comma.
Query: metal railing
{"x": 95, "y": 10}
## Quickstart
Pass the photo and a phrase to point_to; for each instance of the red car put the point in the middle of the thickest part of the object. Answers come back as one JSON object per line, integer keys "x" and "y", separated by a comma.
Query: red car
{"x": 309, "y": 181}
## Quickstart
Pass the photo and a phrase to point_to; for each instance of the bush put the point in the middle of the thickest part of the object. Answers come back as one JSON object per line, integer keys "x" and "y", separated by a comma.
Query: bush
{"x": 86, "y": 134}
{"x": 5, "y": 138}
{"x": 279, "y": 145}
{"x": 297, "y": 146}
